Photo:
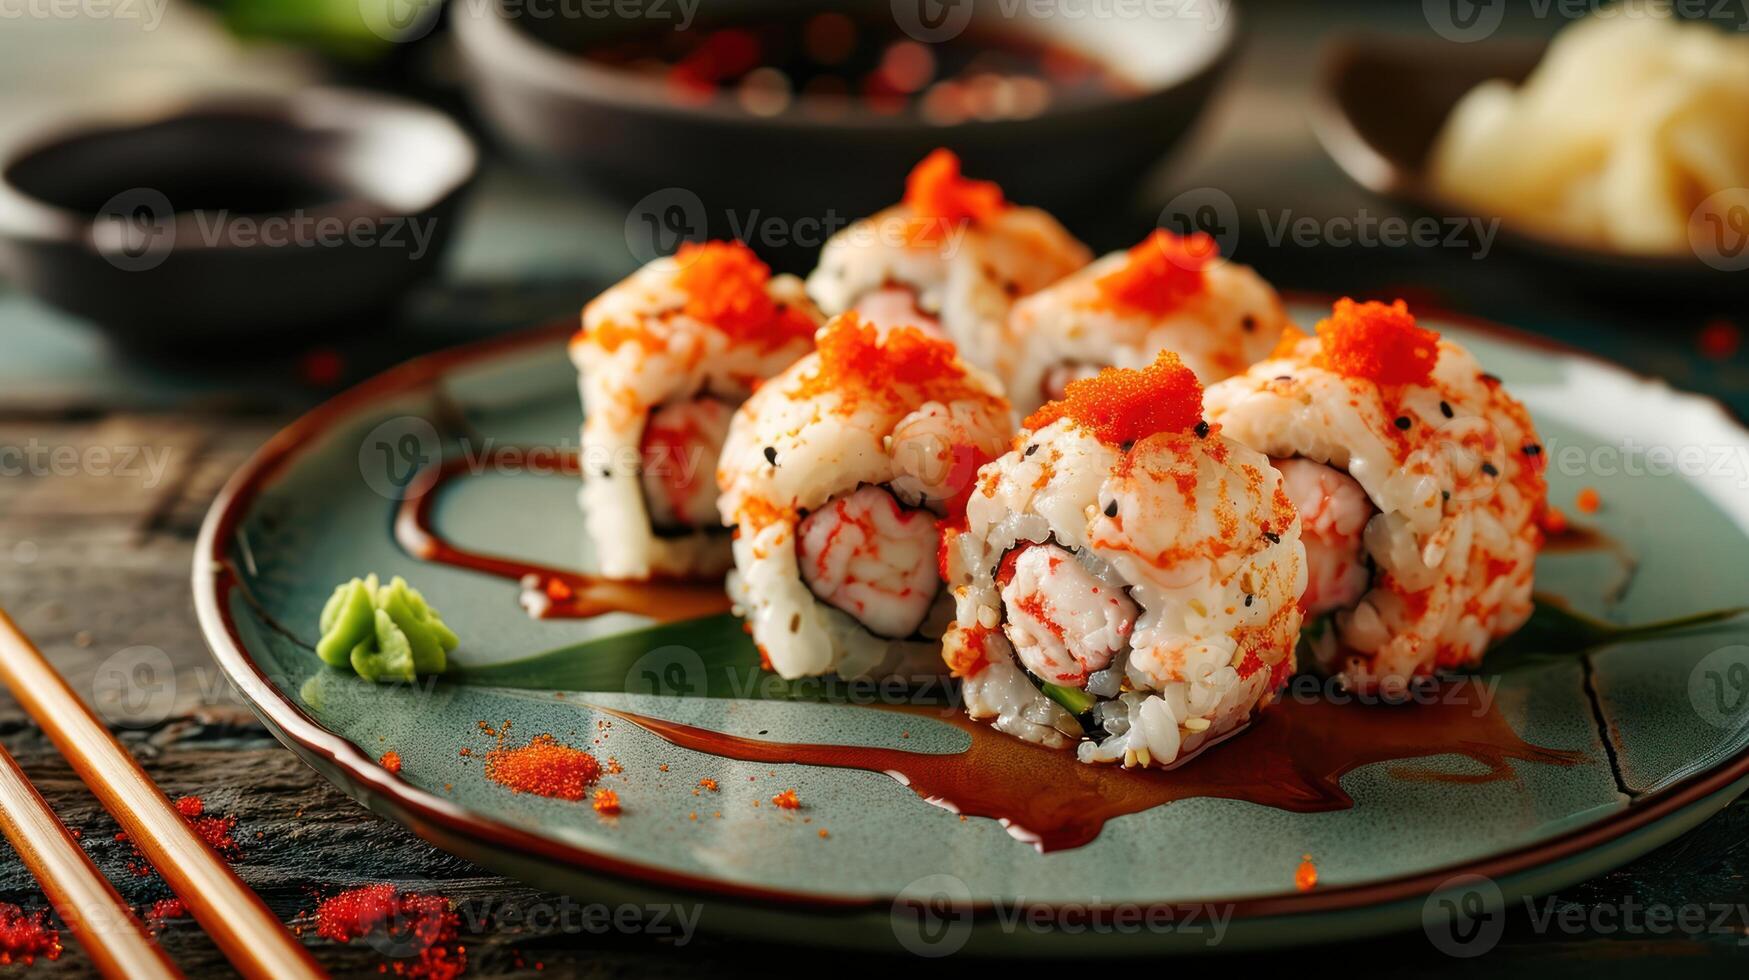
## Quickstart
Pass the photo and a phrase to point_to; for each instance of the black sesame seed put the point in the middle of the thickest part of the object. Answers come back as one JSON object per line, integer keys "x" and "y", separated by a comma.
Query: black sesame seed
{"x": 765, "y": 731}
{"x": 1111, "y": 509}
{"x": 1490, "y": 469}
{"x": 1031, "y": 449}
{"x": 1445, "y": 409}
{"x": 607, "y": 474}
{"x": 1248, "y": 324}
{"x": 1533, "y": 450}
{"x": 1248, "y": 598}
{"x": 1284, "y": 377}
{"x": 1202, "y": 430}
{"x": 1445, "y": 494}
{"x": 1273, "y": 537}
{"x": 771, "y": 455}
{"x": 1403, "y": 422}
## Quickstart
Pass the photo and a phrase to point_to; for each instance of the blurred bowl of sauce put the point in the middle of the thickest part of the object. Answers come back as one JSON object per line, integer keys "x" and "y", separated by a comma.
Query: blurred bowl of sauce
{"x": 764, "y": 119}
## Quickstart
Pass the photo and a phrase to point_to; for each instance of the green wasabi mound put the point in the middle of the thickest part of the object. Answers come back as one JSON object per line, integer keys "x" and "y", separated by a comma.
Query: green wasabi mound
{"x": 383, "y": 632}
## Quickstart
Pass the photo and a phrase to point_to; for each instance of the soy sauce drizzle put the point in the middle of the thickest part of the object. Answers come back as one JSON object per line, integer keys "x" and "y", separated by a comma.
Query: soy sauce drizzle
{"x": 547, "y": 592}
{"x": 1292, "y": 757}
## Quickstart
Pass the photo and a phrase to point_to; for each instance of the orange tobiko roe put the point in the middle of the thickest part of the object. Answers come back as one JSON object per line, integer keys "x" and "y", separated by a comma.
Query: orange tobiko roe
{"x": 544, "y": 767}
{"x": 1122, "y": 406}
{"x": 855, "y": 356}
{"x": 939, "y": 197}
{"x": 1377, "y": 342}
{"x": 1161, "y": 273}
{"x": 725, "y": 285}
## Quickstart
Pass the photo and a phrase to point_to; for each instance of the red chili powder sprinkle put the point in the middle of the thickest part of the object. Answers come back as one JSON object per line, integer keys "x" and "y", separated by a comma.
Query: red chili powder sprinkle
{"x": 787, "y": 800}
{"x": 606, "y": 802}
{"x": 854, "y": 356}
{"x": 1161, "y": 273}
{"x": 725, "y": 285}
{"x": 391, "y": 761}
{"x": 26, "y": 936}
{"x": 1121, "y": 405}
{"x": 1589, "y": 501}
{"x": 166, "y": 908}
{"x": 216, "y": 831}
{"x": 1306, "y": 875}
{"x": 940, "y": 197}
{"x": 1378, "y": 342}
{"x": 708, "y": 783}
{"x": 426, "y": 922}
{"x": 544, "y": 767}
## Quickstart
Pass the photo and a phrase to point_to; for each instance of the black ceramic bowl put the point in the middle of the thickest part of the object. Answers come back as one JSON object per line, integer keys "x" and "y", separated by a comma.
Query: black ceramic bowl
{"x": 622, "y": 131}
{"x": 210, "y": 223}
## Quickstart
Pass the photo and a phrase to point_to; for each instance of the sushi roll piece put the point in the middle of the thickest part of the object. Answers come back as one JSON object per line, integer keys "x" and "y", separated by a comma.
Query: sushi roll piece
{"x": 952, "y": 258}
{"x": 1167, "y": 293}
{"x": 1420, "y": 484}
{"x": 664, "y": 359}
{"x": 836, "y": 475}
{"x": 1127, "y": 578}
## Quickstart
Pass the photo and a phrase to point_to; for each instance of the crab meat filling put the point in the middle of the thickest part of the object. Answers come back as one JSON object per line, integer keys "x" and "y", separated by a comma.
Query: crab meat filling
{"x": 1333, "y": 515}
{"x": 678, "y": 463}
{"x": 896, "y": 306}
{"x": 1064, "y": 622}
{"x": 870, "y": 556}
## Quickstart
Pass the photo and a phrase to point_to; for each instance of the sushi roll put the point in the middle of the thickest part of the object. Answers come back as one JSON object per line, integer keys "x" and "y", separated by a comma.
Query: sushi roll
{"x": 1167, "y": 293}
{"x": 952, "y": 258}
{"x": 1127, "y": 578}
{"x": 836, "y": 475}
{"x": 1420, "y": 484}
{"x": 664, "y": 358}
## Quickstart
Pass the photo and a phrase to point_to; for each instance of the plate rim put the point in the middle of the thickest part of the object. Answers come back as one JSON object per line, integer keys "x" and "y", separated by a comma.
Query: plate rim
{"x": 213, "y": 579}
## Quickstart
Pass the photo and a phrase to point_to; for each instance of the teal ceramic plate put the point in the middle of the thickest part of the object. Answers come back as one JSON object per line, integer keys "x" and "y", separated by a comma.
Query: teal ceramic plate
{"x": 1550, "y": 768}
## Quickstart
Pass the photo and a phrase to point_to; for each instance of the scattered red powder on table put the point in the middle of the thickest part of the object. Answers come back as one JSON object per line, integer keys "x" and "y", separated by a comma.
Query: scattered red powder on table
{"x": 1378, "y": 342}
{"x": 216, "y": 831}
{"x": 543, "y": 767}
{"x": 1588, "y": 501}
{"x": 786, "y": 800}
{"x": 426, "y": 923}
{"x": 606, "y": 802}
{"x": 1119, "y": 405}
{"x": 391, "y": 761}
{"x": 26, "y": 936}
{"x": 708, "y": 783}
{"x": 166, "y": 908}
{"x": 1306, "y": 875}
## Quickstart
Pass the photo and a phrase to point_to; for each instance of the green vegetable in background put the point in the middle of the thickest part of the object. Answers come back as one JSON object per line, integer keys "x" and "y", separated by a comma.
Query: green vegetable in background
{"x": 384, "y": 632}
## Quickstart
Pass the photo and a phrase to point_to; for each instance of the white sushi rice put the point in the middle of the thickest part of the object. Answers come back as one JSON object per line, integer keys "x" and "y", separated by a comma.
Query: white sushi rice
{"x": 1453, "y": 546}
{"x": 1232, "y": 323}
{"x": 673, "y": 358}
{"x": 790, "y": 453}
{"x": 1177, "y": 524}
{"x": 968, "y": 283}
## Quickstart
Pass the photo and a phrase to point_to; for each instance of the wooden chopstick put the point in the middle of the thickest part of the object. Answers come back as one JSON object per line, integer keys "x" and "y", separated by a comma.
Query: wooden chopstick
{"x": 239, "y": 922}
{"x": 86, "y": 902}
